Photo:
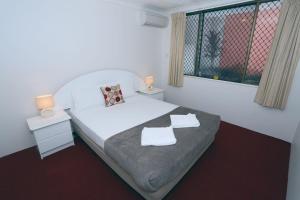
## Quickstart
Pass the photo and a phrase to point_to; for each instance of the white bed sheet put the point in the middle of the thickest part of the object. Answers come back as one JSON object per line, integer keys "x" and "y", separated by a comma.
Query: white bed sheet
{"x": 100, "y": 123}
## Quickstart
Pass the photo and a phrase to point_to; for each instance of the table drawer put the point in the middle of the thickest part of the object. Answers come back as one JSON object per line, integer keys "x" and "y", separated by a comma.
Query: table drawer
{"x": 50, "y": 131}
{"x": 56, "y": 141}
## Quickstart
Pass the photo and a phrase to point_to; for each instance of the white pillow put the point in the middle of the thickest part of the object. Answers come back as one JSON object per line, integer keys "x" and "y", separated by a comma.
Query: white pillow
{"x": 127, "y": 89}
{"x": 87, "y": 97}
{"x": 91, "y": 96}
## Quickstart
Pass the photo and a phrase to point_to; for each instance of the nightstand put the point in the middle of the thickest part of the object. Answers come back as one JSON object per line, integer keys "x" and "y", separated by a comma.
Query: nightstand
{"x": 52, "y": 134}
{"x": 155, "y": 93}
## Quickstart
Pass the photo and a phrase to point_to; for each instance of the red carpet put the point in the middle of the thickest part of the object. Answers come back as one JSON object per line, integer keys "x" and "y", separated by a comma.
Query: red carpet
{"x": 240, "y": 165}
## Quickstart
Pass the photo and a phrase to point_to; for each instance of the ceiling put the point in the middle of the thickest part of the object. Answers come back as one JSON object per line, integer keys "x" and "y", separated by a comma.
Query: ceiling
{"x": 162, "y": 4}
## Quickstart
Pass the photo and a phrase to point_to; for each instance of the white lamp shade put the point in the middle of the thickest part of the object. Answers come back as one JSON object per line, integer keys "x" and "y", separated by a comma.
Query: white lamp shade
{"x": 149, "y": 80}
{"x": 44, "y": 101}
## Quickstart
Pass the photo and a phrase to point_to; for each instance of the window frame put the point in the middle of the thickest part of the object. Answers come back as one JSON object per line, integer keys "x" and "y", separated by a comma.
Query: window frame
{"x": 202, "y": 13}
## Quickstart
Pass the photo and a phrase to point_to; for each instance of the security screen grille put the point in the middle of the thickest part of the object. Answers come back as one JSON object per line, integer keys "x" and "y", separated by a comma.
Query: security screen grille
{"x": 230, "y": 43}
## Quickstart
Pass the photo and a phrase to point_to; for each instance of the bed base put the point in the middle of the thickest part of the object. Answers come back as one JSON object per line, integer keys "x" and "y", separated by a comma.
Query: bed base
{"x": 159, "y": 194}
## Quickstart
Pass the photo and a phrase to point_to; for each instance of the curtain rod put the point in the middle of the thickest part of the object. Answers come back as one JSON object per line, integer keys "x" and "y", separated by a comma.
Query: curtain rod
{"x": 218, "y": 5}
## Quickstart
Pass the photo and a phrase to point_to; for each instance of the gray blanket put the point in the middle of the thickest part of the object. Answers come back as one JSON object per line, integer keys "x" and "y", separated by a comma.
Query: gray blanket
{"x": 152, "y": 167}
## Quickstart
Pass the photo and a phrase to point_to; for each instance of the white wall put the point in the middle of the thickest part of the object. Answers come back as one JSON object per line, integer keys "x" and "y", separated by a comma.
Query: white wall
{"x": 233, "y": 101}
{"x": 293, "y": 192}
{"x": 44, "y": 44}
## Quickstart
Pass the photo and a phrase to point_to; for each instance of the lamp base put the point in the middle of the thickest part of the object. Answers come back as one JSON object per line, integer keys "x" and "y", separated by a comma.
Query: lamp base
{"x": 49, "y": 112}
{"x": 150, "y": 88}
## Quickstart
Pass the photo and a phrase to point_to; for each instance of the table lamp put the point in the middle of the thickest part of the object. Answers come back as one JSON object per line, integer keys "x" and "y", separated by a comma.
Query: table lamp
{"x": 45, "y": 104}
{"x": 149, "y": 80}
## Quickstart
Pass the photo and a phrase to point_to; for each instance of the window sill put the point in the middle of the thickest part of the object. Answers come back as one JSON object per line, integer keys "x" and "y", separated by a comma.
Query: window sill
{"x": 222, "y": 82}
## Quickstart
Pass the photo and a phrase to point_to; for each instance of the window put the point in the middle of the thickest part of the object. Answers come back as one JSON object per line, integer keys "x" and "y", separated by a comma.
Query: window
{"x": 230, "y": 43}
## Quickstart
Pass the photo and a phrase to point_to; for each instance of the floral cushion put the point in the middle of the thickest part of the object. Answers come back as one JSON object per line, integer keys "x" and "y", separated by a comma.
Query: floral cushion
{"x": 112, "y": 95}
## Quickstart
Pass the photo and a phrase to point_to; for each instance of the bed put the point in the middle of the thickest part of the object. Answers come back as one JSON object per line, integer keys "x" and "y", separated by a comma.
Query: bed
{"x": 114, "y": 132}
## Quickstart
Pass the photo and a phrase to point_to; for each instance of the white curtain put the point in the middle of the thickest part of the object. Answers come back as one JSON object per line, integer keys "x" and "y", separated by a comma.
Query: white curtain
{"x": 177, "y": 49}
{"x": 283, "y": 59}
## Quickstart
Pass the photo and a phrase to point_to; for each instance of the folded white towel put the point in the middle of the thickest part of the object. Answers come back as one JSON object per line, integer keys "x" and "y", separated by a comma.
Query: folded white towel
{"x": 184, "y": 121}
{"x": 158, "y": 136}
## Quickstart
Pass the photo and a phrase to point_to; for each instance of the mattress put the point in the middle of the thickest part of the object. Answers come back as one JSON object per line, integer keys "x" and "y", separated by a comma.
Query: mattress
{"x": 101, "y": 123}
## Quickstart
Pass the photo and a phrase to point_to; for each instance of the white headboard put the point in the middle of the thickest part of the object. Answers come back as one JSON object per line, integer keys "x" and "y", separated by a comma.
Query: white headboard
{"x": 63, "y": 97}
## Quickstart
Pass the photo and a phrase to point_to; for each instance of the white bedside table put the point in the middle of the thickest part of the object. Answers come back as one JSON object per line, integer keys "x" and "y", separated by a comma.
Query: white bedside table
{"x": 52, "y": 134}
{"x": 155, "y": 93}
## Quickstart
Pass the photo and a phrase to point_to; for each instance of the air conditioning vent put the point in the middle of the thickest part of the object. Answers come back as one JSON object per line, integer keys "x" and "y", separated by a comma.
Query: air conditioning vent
{"x": 152, "y": 19}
